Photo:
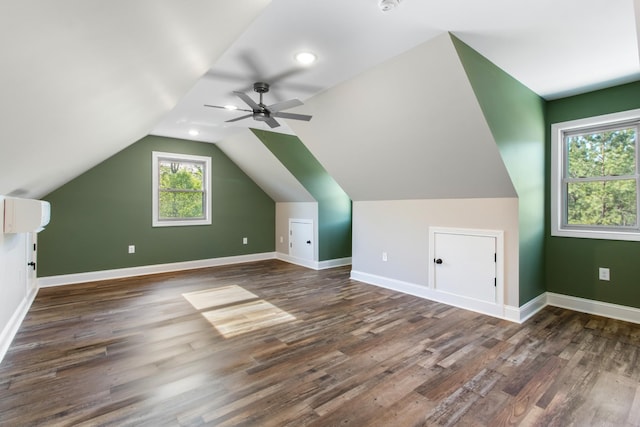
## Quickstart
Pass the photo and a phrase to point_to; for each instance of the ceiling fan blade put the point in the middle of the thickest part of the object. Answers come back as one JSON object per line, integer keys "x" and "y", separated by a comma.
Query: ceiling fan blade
{"x": 279, "y": 106}
{"x": 292, "y": 116}
{"x": 273, "y": 123}
{"x": 246, "y": 116}
{"x": 250, "y": 102}
{"x": 230, "y": 109}
{"x": 251, "y": 62}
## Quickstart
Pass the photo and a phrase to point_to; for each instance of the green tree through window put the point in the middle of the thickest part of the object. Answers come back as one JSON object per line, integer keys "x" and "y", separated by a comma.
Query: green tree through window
{"x": 601, "y": 180}
{"x": 181, "y": 192}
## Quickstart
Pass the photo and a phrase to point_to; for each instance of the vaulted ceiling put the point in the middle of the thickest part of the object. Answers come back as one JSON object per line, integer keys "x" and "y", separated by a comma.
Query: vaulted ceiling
{"x": 82, "y": 79}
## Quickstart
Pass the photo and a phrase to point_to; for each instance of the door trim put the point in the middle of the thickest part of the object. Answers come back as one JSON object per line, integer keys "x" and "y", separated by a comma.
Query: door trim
{"x": 497, "y": 234}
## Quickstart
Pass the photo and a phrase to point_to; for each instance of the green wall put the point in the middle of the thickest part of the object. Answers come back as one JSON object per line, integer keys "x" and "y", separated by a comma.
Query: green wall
{"x": 334, "y": 206}
{"x": 572, "y": 264}
{"x": 516, "y": 117}
{"x": 97, "y": 215}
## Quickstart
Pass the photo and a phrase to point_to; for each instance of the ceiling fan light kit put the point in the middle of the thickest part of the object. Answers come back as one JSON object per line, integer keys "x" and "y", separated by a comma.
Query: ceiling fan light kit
{"x": 266, "y": 113}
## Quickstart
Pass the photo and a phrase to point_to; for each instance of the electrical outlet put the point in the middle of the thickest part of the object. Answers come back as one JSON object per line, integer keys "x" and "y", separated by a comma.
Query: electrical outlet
{"x": 384, "y": 256}
{"x": 603, "y": 274}
{"x": 132, "y": 249}
{"x": 245, "y": 240}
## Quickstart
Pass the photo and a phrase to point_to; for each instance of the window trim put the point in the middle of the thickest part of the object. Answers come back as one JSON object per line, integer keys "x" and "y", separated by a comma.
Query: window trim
{"x": 156, "y": 156}
{"x": 558, "y": 165}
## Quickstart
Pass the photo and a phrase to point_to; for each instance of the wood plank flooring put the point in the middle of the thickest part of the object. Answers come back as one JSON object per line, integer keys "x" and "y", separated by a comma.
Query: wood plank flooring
{"x": 273, "y": 344}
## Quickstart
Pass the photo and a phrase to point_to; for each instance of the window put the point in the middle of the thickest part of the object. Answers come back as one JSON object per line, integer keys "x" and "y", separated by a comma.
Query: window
{"x": 595, "y": 181}
{"x": 181, "y": 190}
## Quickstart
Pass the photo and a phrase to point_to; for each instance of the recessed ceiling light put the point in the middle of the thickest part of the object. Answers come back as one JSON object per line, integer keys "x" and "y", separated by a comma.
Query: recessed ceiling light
{"x": 230, "y": 107}
{"x": 387, "y": 5}
{"x": 306, "y": 58}
{"x": 194, "y": 132}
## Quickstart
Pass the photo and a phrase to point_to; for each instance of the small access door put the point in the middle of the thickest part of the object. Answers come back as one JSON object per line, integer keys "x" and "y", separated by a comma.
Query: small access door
{"x": 465, "y": 265}
{"x": 32, "y": 258}
{"x": 301, "y": 238}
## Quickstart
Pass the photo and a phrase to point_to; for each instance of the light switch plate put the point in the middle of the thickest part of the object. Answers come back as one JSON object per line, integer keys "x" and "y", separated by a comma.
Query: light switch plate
{"x": 603, "y": 274}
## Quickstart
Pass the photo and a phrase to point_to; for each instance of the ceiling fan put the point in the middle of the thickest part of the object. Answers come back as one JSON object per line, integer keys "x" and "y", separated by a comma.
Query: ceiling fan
{"x": 266, "y": 113}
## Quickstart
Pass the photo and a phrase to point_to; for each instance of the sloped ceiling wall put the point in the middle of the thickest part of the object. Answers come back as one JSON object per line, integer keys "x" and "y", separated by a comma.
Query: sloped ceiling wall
{"x": 381, "y": 139}
{"x": 250, "y": 154}
{"x": 334, "y": 206}
{"x": 93, "y": 77}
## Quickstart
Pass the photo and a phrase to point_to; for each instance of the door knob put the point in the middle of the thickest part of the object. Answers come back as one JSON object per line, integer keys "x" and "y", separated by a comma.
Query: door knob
{"x": 438, "y": 261}
{"x": 32, "y": 264}
{"x": 308, "y": 242}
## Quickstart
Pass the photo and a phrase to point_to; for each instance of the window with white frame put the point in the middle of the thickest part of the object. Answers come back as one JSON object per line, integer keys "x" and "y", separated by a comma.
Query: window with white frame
{"x": 595, "y": 181}
{"x": 181, "y": 189}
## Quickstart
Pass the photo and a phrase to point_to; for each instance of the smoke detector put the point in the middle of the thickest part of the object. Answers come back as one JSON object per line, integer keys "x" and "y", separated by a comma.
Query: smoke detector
{"x": 387, "y": 5}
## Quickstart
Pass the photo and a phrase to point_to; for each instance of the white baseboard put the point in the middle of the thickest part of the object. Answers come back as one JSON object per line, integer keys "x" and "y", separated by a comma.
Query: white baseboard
{"x": 514, "y": 314}
{"x": 531, "y": 307}
{"x": 314, "y": 265}
{"x": 68, "y": 279}
{"x": 11, "y": 329}
{"x": 331, "y": 263}
{"x": 423, "y": 291}
{"x": 599, "y": 308}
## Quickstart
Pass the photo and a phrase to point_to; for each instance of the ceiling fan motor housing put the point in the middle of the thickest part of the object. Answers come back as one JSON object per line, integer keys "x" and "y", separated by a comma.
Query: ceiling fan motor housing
{"x": 261, "y": 87}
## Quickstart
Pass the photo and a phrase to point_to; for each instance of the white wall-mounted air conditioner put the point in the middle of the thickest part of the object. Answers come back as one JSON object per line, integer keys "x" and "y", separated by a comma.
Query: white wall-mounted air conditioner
{"x": 25, "y": 215}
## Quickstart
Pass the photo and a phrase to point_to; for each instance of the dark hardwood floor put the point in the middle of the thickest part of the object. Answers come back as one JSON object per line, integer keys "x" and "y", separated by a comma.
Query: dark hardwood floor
{"x": 272, "y": 344}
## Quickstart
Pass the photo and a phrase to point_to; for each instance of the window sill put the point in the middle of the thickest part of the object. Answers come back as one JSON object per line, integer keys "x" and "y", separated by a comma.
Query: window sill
{"x": 596, "y": 234}
{"x": 180, "y": 223}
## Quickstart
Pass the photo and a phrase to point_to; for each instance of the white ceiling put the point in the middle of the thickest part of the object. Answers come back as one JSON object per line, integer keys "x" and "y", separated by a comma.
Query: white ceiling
{"x": 556, "y": 48}
{"x": 83, "y": 79}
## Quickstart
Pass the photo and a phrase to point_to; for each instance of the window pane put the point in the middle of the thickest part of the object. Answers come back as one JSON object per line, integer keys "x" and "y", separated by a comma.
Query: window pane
{"x": 181, "y": 175}
{"x": 606, "y": 203}
{"x": 181, "y": 205}
{"x": 604, "y": 153}
{"x": 181, "y": 189}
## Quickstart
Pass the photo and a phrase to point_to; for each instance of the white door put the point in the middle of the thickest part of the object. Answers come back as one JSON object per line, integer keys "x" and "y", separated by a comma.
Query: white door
{"x": 301, "y": 239}
{"x": 32, "y": 258}
{"x": 465, "y": 265}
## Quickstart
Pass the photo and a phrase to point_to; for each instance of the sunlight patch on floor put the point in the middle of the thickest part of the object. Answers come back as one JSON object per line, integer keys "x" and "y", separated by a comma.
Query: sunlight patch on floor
{"x": 219, "y": 296}
{"x": 240, "y": 310}
{"x": 247, "y": 317}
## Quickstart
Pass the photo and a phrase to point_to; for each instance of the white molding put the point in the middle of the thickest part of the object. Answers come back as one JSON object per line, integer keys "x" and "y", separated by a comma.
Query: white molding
{"x": 331, "y": 263}
{"x": 531, "y": 307}
{"x": 308, "y": 263}
{"x": 314, "y": 265}
{"x": 92, "y": 276}
{"x": 11, "y": 329}
{"x": 423, "y": 291}
{"x": 512, "y": 313}
{"x": 599, "y": 308}
{"x": 507, "y": 312}
{"x": 68, "y": 279}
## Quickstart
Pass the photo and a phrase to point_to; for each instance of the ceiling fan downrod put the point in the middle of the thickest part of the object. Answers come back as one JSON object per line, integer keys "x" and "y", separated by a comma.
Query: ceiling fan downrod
{"x": 261, "y": 88}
